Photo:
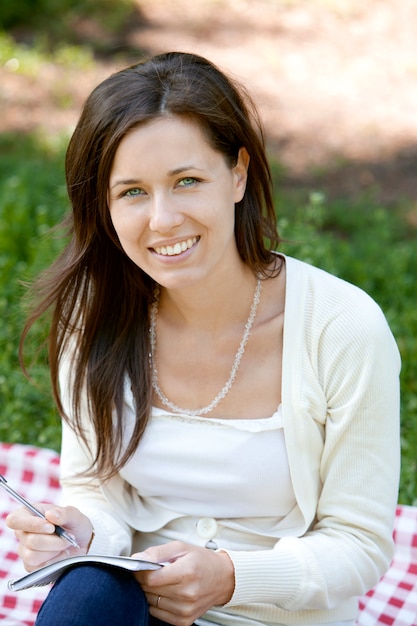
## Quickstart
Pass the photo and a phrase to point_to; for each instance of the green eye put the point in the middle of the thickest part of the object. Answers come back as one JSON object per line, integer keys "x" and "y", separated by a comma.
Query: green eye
{"x": 133, "y": 193}
{"x": 187, "y": 182}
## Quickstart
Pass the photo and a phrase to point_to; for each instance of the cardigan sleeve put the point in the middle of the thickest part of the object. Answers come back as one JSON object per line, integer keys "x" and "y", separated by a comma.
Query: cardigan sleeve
{"x": 112, "y": 534}
{"x": 341, "y": 402}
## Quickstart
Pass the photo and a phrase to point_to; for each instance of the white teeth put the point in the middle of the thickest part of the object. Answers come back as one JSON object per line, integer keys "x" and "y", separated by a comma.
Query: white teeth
{"x": 179, "y": 247}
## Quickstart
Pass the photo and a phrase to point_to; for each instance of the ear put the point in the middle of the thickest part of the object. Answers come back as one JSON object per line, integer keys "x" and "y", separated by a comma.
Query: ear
{"x": 240, "y": 172}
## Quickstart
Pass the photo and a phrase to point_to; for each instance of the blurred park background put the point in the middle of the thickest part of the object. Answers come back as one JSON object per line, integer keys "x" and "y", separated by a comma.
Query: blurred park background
{"x": 336, "y": 85}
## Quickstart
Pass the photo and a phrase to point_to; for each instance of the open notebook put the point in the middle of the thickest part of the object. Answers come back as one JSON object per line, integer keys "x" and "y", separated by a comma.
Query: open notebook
{"x": 50, "y": 573}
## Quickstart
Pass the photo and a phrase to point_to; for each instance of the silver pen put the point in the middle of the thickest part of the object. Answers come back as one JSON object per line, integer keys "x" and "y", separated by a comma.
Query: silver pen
{"x": 61, "y": 532}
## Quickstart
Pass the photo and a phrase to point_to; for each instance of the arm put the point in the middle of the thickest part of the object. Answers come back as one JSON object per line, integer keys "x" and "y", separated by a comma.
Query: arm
{"x": 342, "y": 412}
{"x": 111, "y": 534}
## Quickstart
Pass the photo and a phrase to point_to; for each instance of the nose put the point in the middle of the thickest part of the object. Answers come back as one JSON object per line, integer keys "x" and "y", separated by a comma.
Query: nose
{"x": 165, "y": 215}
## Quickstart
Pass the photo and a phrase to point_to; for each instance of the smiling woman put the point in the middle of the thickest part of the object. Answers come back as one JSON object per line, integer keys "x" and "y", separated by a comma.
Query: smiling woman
{"x": 183, "y": 193}
{"x": 228, "y": 411}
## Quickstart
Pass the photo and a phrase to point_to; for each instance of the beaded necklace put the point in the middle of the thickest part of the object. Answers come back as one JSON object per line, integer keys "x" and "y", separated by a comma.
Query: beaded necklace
{"x": 238, "y": 356}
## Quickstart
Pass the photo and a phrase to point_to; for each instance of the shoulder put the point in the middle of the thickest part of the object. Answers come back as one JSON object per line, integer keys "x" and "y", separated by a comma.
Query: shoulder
{"x": 327, "y": 291}
{"x": 326, "y": 305}
{"x": 303, "y": 274}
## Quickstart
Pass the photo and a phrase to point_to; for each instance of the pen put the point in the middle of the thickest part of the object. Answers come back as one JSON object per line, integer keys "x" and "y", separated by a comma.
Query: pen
{"x": 61, "y": 532}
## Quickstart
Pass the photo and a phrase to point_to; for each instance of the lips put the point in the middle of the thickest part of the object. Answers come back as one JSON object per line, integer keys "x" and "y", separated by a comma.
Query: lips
{"x": 177, "y": 248}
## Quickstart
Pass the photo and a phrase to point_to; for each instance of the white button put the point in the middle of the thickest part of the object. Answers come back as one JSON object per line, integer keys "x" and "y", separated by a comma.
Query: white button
{"x": 207, "y": 527}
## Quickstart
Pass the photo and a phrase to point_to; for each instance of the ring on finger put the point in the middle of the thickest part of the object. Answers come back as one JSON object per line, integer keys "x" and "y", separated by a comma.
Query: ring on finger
{"x": 158, "y": 601}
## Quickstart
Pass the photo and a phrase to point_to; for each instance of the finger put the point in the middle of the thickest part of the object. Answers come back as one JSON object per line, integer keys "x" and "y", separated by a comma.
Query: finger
{"x": 22, "y": 520}
{"x": 153, "y": 599}
{"x": 157, "y": 605}
{"x": 67, "y": 516}
{"x": 73, "y": 521}
{"x": 162, "y": 580}
{"x": 43, "y": 541}
{"x": 34, "y": 559}
{"x": 166, "y": 553}
{"x": 38, "y": 549}
{"x": 171, "y": 612}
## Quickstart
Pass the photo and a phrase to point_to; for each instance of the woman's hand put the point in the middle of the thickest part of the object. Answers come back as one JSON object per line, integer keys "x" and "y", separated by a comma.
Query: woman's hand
{"x": 195, "y": 580}
{"x": 38, "y": 543}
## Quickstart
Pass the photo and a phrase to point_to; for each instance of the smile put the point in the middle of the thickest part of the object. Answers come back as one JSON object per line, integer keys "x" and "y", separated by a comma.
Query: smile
{"x": 178, "y": 248}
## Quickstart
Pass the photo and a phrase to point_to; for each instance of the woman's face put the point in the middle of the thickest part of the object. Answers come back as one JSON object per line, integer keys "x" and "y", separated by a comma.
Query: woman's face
{"x": 172, "y": 200}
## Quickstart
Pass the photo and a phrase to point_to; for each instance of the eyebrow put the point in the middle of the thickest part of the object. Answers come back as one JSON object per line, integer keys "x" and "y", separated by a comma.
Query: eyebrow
{"x": 174, "y": 172}
{"x": 126, "y": 181}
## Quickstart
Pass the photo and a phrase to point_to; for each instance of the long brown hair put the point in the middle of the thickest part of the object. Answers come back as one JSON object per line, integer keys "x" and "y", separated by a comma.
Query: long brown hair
{"x": 94, "y": 293}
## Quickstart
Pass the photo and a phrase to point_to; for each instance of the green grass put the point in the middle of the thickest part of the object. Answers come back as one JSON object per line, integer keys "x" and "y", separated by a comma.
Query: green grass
{"x": 362, "y": 241}
{"x": 32, "y": 200}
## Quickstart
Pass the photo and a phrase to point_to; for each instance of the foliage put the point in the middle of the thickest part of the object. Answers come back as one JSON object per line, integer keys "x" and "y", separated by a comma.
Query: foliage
{"x": 32, "y": 200}
{"x": 24, "y": 59}
{"x": 98, "y": 24}
{"x": 45, "y": 13}
{"x": 362, "y": 241}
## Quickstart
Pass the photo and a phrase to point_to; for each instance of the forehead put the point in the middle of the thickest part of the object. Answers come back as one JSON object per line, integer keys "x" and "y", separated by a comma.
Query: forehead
{"x": 167, "y": 126}
{"x": 164, "y": 141}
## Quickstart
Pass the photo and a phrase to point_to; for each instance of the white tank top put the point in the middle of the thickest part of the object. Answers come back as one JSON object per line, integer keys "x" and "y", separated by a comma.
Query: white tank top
{"x": 228, "y": 479}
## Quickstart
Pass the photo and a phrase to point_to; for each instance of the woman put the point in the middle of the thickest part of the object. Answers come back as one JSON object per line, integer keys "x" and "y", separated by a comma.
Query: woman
{"x": 227, "y": 410}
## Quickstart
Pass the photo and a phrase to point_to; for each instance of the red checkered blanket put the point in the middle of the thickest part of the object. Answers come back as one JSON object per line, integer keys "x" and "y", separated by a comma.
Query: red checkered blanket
{"x": 34, "y": 472}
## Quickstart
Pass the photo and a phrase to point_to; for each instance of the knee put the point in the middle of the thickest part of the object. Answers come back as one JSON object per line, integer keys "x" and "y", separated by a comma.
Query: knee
{"x": 94, "y": 594}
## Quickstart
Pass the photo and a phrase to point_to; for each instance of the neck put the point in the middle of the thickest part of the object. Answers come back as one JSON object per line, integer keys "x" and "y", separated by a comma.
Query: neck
{"x": 236, "y": 362}
{"x": 212, "y": 304}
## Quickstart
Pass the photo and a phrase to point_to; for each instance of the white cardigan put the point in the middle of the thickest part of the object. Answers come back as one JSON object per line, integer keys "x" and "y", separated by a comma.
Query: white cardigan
{"x": 340, "y": 401}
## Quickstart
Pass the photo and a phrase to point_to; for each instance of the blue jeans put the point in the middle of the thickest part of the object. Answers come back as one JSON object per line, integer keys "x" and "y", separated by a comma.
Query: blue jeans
{"x": 92, "y": 595}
